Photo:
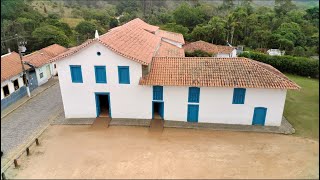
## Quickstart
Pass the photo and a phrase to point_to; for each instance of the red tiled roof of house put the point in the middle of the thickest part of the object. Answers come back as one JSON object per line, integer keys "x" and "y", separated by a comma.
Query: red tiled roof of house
{"x": 43, "y": 56}
{"x": 169, "y": 50}
{"x": 11, "y": 66}
{"x": 141, "y": 24}
{"x": 177, "y": 37}
{"x": 131, "y": 40}
{"x": 215, "y": 72}
{"x": 207, "y": 47}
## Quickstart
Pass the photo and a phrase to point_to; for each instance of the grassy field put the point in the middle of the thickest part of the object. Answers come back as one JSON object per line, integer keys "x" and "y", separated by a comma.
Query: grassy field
{"x": 73, "y": 22}
{"x": 302, "y": 107}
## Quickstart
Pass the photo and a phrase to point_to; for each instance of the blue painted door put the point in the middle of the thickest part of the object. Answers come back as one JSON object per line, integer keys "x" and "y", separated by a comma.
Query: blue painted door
{"x": 259, "y": 116}
{"x": 161, "y": 109}
{"x": 193, "y": 112}
{"x": 97, "y": 104}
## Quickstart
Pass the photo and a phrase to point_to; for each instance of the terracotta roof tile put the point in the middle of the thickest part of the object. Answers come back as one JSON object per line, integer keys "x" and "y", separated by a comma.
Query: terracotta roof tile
{"x": 177, "y": 37}
{"x": 215, "y": 72}
{"x": 207, "y": 47}
{"x": 43, "y": 56}
{"x": 11, "y": 66}
{"x": 169, "y": 50}
{"x": 130, "y": 40}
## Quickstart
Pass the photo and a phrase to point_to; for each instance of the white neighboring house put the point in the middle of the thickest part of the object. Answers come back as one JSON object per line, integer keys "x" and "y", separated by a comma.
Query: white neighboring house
{"x": 215, "y": 50}
{"x": 12, "y": 85}
{"x": 275, "y": 52}
{"x": 122, "y": 78}
{"x": 40, "y": 60}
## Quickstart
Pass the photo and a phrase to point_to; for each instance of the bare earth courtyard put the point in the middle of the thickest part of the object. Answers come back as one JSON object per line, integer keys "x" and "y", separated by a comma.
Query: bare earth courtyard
{"x": 80, "y": 151}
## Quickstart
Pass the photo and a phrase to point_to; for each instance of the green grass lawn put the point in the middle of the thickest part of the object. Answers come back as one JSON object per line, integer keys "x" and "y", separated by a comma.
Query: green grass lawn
{"x": 73, "y": 22}
{"x": 302, "y": 107}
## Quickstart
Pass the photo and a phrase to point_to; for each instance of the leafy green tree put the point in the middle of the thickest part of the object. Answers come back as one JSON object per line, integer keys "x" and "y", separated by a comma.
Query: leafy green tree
{"x": 282, "y": 7}
{"x": 47, "y": 35}
{"x": 86, "y": 29}
{"x": 298, "y": 51}
{"x": 176, "y": 28}
{"x": 188, "y": 16}
{"x": 228, "y": 4}
{"x": 113, "y": 23}
{"x": 286, "y": 45}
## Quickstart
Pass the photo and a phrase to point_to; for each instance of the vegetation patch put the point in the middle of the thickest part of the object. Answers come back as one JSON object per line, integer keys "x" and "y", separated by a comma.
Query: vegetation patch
{"x": 302, "y": 107}
{"x": 289, "y": 64}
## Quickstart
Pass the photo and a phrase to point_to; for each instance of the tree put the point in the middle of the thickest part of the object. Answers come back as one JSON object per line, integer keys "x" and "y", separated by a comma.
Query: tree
{"x": 227, "y": 4}
{"x": 47, "y": 35}
{"x": 217, "y": 30}
{"x": 282, "y": 7}
{"x": 187, "y": 16}
{"x": 201, "y": 32}
{"x": 113, "y": 23}
{"x": 173, "y": 27}
{"x": 86, "y": 29}
{"x": 298, "y": 51}
{"x": 286, "y": 45}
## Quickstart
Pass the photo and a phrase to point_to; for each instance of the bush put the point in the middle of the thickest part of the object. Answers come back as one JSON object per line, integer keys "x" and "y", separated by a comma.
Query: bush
{"x": 198, "y": 53}
{"x": 295, "y": 65}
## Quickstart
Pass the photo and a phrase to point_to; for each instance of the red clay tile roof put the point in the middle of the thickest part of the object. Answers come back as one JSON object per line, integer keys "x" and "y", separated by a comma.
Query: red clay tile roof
{"x": 43, "y": 56}
{"x": 207, "y": 47}
{"x": 177, "y": 37}
{"x": 169, "y": 50}
{"x": 131, "y": 40}
{"x": 11, "y": 66}
{"x": 215, "y": 72}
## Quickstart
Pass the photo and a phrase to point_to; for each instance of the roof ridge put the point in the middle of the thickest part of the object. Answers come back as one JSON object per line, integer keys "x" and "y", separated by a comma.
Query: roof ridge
{"x": 257, "y": 64}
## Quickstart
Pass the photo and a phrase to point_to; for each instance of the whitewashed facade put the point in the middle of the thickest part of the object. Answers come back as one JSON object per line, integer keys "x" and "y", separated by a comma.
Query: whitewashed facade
{"x": 135, "y": 101}
{"x": 10, "y": 85}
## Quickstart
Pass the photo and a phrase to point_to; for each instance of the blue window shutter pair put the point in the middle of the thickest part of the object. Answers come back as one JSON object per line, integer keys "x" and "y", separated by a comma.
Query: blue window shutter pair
{"x": 157, "y": 93}
{"x": 76, "y": 73}
{"x": 100, "y": 72}
{"x": 238, "y": 95}
{"x": 194, "y": 94}
{"x": 123, "y": 74}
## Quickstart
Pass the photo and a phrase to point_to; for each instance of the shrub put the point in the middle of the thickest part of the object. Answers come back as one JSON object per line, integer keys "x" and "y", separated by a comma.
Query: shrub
{"x": 295, "y": 65}
{"x": 198, "y": 53}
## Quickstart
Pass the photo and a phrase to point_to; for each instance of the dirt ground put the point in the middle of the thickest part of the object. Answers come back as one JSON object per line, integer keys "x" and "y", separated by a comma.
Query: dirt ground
{"x": 75, "y": 151}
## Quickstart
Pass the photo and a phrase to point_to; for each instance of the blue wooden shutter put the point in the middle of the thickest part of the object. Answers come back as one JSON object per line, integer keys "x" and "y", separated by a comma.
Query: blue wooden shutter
{"x": 100, "y": 72}
{"x": 193, "y": 113}
{"x": 124, "y": 74}
{"x": 157, "y": 93}
{"x": 238, "y": 95}
{"x": 76, "y": 73}
{"x": 194, "y": 94}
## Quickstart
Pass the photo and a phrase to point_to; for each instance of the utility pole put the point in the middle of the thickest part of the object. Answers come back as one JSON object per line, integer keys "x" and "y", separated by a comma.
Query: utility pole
{"x": 25, "y": 77}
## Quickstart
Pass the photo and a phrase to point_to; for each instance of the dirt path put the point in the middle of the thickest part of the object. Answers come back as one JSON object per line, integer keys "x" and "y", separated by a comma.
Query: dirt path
{"x": 134, "y": 152}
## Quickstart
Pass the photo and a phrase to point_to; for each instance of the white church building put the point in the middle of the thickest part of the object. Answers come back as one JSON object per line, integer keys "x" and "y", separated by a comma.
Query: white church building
{"x": 135, "y": 72}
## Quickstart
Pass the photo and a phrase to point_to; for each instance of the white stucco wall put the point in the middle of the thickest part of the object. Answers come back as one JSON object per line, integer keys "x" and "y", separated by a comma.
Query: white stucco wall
{"x": 10, "y": 84}
{"x": 54, "y": 71}
{"x": 46, "y": 75}
{"x": 135, "y": 101}
{"x": 234, "y": 53}
{"x": 222, "y": 55}
{"x": 215, "y": 105}
{"x": 127, "y": 100}
{"x": 172, "y": 42}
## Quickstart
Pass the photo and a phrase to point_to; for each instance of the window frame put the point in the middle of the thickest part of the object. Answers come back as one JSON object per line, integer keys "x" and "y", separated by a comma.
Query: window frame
{"x": 16, "y": 80}
{"x": 72, "y": 76}
{"x": 4, "y": 94}
{"x": 239, "y": 96}
{"x": 196, "y": 91}
{"x": 104, "y": 81}
{"x": 154, "y": 96}
{"x": 119, "y": 75}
